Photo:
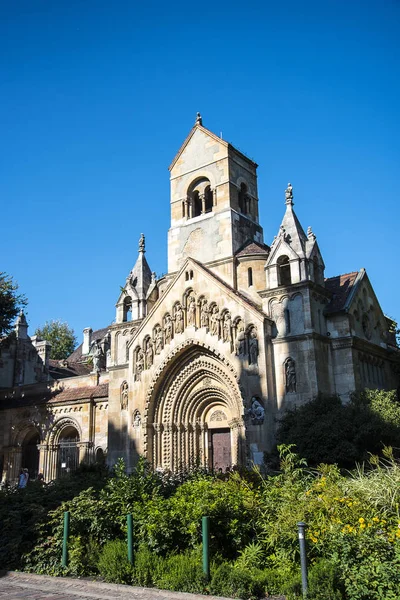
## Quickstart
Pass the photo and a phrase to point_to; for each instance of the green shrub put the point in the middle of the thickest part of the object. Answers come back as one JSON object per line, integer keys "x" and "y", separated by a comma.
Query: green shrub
{"x": 327, "y": 431}
{"x": 324, "y": 581}
{"x": 182, "y": 573}
{"x": 114, "y": 566}
{"x": 148, "y": 567}
{"x": 235, "y": 582}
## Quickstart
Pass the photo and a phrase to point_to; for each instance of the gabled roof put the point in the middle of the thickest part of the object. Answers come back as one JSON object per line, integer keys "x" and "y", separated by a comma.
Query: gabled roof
{"x": 59, "y": 369}
{"x": 341, "y": 287}
{"x": 199, "y": 126}
{"x": 253, "y": 248}
{"x": 97, "y": 335}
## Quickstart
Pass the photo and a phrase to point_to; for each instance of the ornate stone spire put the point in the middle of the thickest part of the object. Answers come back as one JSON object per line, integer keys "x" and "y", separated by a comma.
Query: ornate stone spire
{"x": 289, "y": 195}
{"x": 142, "y": 243}
{"x": 311, "y": 236}
{"x": 199, "y": 120}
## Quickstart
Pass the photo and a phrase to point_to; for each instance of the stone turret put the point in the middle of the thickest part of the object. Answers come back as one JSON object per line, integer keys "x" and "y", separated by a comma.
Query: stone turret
{"x": 21, "y": 326}
{"x": 295, "y": 255}
{"x": 132, "y": 302}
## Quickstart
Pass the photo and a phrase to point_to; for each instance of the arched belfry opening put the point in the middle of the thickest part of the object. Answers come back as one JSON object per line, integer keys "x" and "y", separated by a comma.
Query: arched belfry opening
{"x": 200, "y": 199}
{"x": 284, "y": 275}
{"x": 194, "y": 414}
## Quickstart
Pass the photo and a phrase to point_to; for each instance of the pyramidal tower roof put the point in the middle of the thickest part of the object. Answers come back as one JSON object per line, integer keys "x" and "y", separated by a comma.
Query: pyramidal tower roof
{"x": 198, "y": 125}
{"x": 291, "y": 226}
{"x": 140, "y": 277}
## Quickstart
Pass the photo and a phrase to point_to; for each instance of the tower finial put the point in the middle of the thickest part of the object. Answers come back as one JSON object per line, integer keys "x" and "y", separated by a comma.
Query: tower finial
{"x": 199, "y": 120}
{"x": 141, "y": 243}
{"x": 289, "y": 194}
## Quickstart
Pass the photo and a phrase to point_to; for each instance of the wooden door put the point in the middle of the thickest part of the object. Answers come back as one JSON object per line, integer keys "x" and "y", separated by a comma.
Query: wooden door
{"x": 221, "y": 449}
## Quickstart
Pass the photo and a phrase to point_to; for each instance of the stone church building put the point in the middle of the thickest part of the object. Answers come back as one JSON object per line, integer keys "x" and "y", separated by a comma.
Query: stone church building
{"x": 198, "y": 365}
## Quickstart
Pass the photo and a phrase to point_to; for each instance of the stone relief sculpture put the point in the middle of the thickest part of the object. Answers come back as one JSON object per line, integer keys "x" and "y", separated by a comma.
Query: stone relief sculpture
{"x": 167, "y": 329}
{"x": 227, "y": 328}
{"x": 149, "y": 354}
{"x": 290, "y": 374}
{"x": 278, "y": 315}
{"x": 124, "y": 395}
{"x": 214, "y": 320}
{"x": 158, "y": 340}
{"x": 139, "y": 364}
{"x": 253, "y": 347}
{"x": 256, "y": 412}
{"x": 241, "y": 342}
{"x": 218, "y": 415}
{"x": 204, "y": 316}
{"x": 191, "y": 313}
{"x": 136, "y": 419}
{"x": 179, "y": 326}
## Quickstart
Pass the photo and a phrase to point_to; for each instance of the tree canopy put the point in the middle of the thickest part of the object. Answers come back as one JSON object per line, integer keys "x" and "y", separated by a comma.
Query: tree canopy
{"x": 61, "y": 337}
{"x": 327, "y": 431}
{"x": 10, "y": 303}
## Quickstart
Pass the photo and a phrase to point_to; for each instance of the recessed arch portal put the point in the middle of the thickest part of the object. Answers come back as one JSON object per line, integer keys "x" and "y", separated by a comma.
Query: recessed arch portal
{"x": 193, "y": 384}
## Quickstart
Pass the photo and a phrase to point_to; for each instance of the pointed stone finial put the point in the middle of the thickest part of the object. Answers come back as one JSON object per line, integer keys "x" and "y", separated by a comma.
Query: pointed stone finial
{"x": 310, "y": 234}
{"x": 289, "y": 194}
{"x": 141, "y": 243}
{"x": 199, "y": 120}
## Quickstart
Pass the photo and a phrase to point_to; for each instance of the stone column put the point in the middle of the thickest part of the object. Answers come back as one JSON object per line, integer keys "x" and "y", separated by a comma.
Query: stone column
{"x": 203, "y": 203}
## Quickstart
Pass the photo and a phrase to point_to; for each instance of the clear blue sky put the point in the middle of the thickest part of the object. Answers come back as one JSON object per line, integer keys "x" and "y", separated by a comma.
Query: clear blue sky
{"x": 96, "y": 98}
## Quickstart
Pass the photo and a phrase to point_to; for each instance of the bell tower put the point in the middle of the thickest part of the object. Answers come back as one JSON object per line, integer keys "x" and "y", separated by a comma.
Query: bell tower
{"x": 214, "y": 203}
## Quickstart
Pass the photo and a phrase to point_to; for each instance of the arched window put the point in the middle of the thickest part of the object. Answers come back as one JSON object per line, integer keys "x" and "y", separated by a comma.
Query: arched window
{"x": 284, "y": 277}
{"x": 209, "y": 200}
{"x": 196, "y": 204}
{"x": 68, "y": 451}
{"x": 127, "y": 316}
{"x": 250, "y": 276}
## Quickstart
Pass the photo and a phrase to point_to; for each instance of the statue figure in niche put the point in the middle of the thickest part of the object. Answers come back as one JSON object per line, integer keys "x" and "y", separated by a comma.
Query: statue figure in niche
{"x": 149, "y": 354}
{"x": 214, "y": 320}
{"x": 158, "y": 340}
{"x": 137, "y": 419}
{"x": 290, "y": 372}
{"x": 227, "y": 328}
{"x": 256, "y": 412}
{"x": 278, "y": 314}
{"x": 97, "y": 354}
{"x": 253, "y": 347}
{"x": 178, "y": 319}
{"x": 139, "y": 364}
{"x": 191, "y": 314}
{"x": 124, "y": 396}
{"x": 241, "y": 342}
{"x": 204, "y": 313}
{"x": 168, "y": 329}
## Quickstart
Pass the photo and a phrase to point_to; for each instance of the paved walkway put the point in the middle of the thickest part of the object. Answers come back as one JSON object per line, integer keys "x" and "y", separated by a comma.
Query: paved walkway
{"x": 26, "y": 586}
{"x": 21, "y": 586}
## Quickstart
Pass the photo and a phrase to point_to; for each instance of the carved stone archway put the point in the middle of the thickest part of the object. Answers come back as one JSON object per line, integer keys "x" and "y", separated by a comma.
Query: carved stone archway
{"x": 191, "y": 385}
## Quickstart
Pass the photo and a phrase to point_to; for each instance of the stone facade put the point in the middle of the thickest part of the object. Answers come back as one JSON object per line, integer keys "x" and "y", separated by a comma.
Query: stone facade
{"x": 199, "y": 364}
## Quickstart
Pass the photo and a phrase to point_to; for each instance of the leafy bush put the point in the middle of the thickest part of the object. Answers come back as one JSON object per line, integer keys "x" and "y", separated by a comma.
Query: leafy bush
{"x": 236, "y": 582}
{"x": 327, "y": 431}
{"x": 148, "y": 567}
{"x": 182, "y": 573}
{"x": 114, "y": 566}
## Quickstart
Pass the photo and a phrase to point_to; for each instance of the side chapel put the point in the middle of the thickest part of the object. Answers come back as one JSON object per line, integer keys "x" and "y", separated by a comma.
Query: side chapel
{"x": 198, "y": 365}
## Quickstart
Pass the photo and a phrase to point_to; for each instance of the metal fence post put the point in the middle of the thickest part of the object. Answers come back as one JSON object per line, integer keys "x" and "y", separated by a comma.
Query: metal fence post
{"x": 206, "y": 546}
{"x": 64, "y": 561}
{"x": 303, "y": 557}
{"x": 129, "y": 522}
